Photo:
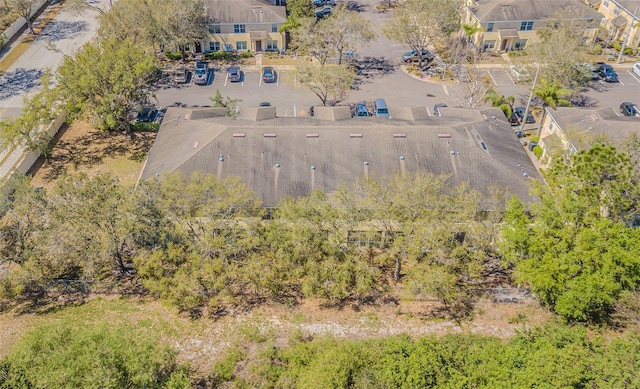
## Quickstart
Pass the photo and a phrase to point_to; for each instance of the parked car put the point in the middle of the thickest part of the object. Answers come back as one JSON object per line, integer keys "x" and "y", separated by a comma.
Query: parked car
{"x": 436, "y": 109}
{"x": 607, "y": 73}
{"x": 265, "y": 104}
{"x": 234, "y": 73}
{"x": 180, "y": 76}
{"x": 636, "y": 68}
{"x": 268, "y": 74}
{"x": 380, "y": 108}
{"x": 146, "y": 114}
{"x": 201, "y": 76}
{"x": 412, "y": 56}
{"x": 322, "y": 12}
{"x": 588, "y": 70}
{"x": 514, "y": 120}
{"x": 629, "y": 109}
{"x": 362, "y": 110}
{"x": 532, "y": 145}
{"x": 320, "y": 3}
{"x": 520, "y": 112}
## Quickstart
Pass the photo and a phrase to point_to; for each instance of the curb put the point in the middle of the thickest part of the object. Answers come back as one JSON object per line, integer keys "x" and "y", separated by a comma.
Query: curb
{"x": 428, "y": 79}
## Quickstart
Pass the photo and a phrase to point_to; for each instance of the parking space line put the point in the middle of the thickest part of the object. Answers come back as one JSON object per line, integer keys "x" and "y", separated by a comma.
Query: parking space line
{"x": 621, "y": 83}
{"x": 492, "y": 79}
{"x": 446, "y": 91}
{"x": 633, "y": 75}
{"x": 511, "y": 78}
{"x": 428, "y": 113}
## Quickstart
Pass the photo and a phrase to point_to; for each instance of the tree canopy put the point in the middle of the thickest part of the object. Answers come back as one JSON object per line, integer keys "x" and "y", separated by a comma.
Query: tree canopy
{"x": 576, "y": 250}
{"x": 106, "y": 82}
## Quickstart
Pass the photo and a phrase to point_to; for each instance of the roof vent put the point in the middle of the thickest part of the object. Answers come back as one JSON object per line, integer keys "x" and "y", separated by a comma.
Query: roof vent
{"x": 313, "y": 135}
{"x": 270, "y": 135}
{"x": 355, "y": 135}
{"x": 239, "y": 135}
{"x": 399, "y": 135}
{"x": 444, "y": 135}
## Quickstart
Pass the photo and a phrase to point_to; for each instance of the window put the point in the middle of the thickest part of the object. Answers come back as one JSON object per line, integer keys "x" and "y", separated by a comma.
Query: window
{"x": 241, "y": 45}
{"x": 239, "y": 28}
{"x": 228, "y": 47}
{"x": 214, "y": 28}
{"x": 214, "y": 46}
{"x": 606, "y": 3}
{"x": 617, "y": 11}
{"x": 520, "y": 44}
{"x": 272, "y": 45}
{"x": 489, "y": 45}
{"x": 526, "y": 26}
{"x": 274, "y": 27}
{"x": 489, "y": 27}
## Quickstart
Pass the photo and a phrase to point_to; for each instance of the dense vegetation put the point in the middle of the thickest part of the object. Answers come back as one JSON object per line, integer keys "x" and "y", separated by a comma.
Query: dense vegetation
{"x": 551, "y": 357}
{"x": 80, "y": 349}
{"x": 204, "y": 243}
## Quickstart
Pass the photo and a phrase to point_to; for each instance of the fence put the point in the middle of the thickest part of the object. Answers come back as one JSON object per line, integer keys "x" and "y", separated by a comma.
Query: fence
{"x": 29, "y": 157}
{"x": 16, "y": 26}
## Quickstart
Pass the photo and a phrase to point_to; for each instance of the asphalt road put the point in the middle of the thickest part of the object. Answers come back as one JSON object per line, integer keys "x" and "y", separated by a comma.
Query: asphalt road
{"x": 62, "y": 36}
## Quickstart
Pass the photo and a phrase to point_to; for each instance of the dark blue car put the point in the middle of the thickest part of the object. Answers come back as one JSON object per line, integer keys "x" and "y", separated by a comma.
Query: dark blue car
{"x": 607, "y": 73}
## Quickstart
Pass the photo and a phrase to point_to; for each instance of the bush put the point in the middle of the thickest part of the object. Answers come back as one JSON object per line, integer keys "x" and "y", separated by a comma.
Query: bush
{"x": 173, "y": 55}
{"x": 246, "y": 54}
{"x": 537, "y": 151}
{"x": 219, "y": 55}
{"x": 596, "y": 50}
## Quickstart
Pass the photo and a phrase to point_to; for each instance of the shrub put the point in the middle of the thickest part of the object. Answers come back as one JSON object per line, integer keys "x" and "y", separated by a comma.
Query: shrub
{"x": 246, "y": 54}
{"x": 219, "y": 55}
{"x": 537, "y": 151}
{"x": 173, "y": 55}
{"x": 596, "y": 50}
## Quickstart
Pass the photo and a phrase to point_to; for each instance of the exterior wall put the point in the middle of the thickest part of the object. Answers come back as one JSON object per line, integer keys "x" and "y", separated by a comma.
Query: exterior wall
{"x": 611, "y": 9}
{"x": 483, "y": 37}
{"x": 548, "y": 127}
{"x": 227, "y": 37}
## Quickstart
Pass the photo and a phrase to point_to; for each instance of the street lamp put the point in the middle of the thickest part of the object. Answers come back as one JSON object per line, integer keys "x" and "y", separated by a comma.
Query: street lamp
{"x": 626, "y": 38}
{"x": 526, "y": 110}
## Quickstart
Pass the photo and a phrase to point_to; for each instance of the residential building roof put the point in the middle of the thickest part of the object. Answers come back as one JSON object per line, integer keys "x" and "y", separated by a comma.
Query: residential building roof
{"x": 528, "y": 10}
{"x": 245, "y": 11}
{"x": 628, "y": 5}
{"x": 596, "y": 121}
{"x": 292, "y": 156}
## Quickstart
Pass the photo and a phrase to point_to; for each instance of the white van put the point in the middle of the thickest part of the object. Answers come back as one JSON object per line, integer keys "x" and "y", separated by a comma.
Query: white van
{"x": 636, "y": 68}
{"x": 380, "y": 108}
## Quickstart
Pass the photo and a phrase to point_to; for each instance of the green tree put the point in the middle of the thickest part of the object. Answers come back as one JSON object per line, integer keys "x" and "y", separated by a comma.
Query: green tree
{"x": 299, "y": 9}
{"x": 576, "y": 252}
{"x": 552, "y": 93}
{"x": 225, "y": 102}
{"x": 181, "y": 23}
{"x": 28, "y": 128}
{"x": 105, "y": 83}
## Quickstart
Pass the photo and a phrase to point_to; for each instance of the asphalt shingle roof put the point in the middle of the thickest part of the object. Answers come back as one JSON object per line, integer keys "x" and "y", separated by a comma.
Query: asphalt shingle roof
{"x": 245, "y": 11}
{"x": 528, "y": 10}
{"x": 293, "y": 156}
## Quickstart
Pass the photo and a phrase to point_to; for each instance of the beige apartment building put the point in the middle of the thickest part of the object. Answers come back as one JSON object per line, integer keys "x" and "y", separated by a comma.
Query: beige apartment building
{"x": 506, "y": 25}
{"x": 622, "y": 21}
{"x": 245, "y": 25}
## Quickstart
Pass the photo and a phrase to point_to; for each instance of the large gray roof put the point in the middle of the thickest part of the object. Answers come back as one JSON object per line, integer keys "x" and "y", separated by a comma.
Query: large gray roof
{"x": 245, "y": 11}
{"x": 529, "y": 10}
{"x": 599, "y": 121}
{"x": 293, "y": 156}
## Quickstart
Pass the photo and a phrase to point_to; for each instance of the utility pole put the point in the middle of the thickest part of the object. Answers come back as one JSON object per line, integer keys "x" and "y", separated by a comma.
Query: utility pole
{"x": 526, "y": 110}
{"x": 626, "y": 38}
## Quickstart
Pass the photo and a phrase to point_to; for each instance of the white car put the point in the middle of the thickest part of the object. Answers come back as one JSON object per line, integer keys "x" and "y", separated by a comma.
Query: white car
{"x": 180, "y": 76}
{"x": 201, "y": 75}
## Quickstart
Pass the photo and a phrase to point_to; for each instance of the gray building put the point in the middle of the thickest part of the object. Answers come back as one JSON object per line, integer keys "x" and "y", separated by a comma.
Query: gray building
{"x": 279, "y": 157}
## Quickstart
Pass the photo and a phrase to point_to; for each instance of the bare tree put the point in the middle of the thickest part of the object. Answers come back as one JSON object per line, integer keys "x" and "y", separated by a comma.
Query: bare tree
{"x": 325, "y": 81}
{"x": 25, "y": 9}
{"x": 348, "y": 30}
